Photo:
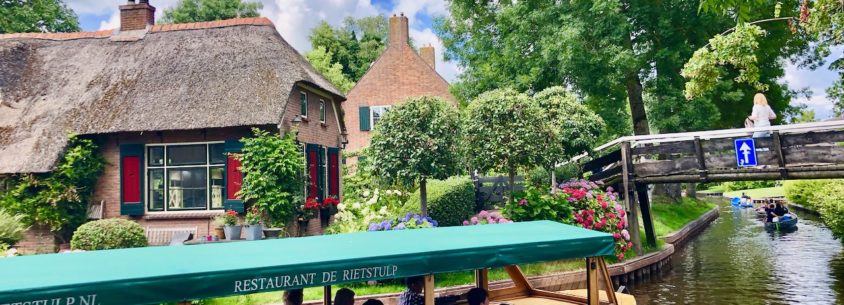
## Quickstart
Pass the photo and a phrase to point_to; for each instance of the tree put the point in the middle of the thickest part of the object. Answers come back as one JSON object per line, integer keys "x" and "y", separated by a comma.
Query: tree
{"x": 417, "y": 140}
{"x": 805, "y": 116}
{"x": 355, "y": 45}
{"x": 321, "y": 59}
{"x": 616, "y": 54}
{"x": 209, "y": 10}
{"x": 570, "y": 127}
{"x": 22, "y": 16}
{"x": 503, "y": 132}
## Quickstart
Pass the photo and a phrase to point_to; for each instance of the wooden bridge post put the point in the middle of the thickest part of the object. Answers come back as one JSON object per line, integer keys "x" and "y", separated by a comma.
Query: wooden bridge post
{"x": 647, "y": 219}
{"x": 630, "y": 197}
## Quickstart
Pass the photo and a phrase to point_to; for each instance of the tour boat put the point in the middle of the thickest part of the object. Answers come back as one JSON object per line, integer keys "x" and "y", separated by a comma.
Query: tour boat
{"x": 783, "y": 225}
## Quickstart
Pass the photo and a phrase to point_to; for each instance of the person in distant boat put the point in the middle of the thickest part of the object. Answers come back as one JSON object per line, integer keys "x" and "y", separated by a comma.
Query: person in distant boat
{"x": 780, "y": 210}
{"x": 762, "y": 115}
{"x": 769, "y": 213}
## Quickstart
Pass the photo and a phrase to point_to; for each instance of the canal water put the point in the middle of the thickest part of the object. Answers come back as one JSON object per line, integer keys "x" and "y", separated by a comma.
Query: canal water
{"x": 736, "y": 261}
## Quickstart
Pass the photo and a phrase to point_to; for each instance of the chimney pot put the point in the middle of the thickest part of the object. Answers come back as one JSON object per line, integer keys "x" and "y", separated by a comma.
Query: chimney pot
{"x": 136, "y": 16}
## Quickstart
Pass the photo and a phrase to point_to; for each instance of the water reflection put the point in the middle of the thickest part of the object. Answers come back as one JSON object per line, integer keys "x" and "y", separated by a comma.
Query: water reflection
{"x": 737, "y": 261}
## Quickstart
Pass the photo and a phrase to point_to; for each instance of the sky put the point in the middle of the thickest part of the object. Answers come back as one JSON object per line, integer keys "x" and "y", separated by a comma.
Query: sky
{"x": 295, "y": 18}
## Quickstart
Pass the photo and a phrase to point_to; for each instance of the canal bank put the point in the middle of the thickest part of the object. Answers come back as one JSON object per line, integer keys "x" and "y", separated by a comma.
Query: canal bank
{"x": 736, "y": 261}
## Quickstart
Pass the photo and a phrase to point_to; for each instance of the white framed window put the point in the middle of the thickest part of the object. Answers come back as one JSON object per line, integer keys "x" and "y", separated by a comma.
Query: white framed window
{"x": 303, "y": 104}
{"x": 322, "y": 111}
{"x": 185, "y": 176}
{"x": 376, "y": 112}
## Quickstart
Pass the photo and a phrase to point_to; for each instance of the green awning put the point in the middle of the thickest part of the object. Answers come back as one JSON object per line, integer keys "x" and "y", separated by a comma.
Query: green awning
{"x": 154, "y": 275}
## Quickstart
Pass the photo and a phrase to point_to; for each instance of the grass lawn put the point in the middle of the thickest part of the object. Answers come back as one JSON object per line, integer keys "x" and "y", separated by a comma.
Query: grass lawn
{"x": 668, "y": 217}
{"x": 763, "y": 192}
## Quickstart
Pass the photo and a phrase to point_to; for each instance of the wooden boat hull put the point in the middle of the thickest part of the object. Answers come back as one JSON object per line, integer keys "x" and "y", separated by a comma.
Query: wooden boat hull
{"x": 782, "y": 225}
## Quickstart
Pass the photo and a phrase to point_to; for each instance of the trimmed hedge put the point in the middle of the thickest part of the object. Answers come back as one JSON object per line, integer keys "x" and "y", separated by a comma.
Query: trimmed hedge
{"x": 805, "y": 192}
{"x": 112, "y": 233}
{"x": 450, "y": 201}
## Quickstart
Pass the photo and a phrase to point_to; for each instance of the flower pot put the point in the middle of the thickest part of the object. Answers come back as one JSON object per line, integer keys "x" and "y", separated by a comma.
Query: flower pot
{"x": 220, "y": 232}
{"x": 324, "y": 216}
{"x": 253, "y": 232}
{"x": 272, "y": 232}
{"x": 232, "y": 232}
{"x": 303, "y": 226}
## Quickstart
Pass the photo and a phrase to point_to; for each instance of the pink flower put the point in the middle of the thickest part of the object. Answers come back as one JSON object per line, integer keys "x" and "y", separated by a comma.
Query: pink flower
{"x": 474, "y": 220}
{"x": 620, "y": 256}
{"x": 616, "y": 235}
{"x": 483, "y": 214}
{"x": 629, "y": 245}
{"x": 603, "y": 204}
{"x": 625, "y": 234}
{"x": 523, "y": 202}
{"x": 465, "y": 222}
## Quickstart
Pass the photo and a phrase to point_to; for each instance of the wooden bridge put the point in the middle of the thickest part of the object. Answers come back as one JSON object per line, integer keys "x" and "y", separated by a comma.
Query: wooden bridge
{"x": 798, "y": 151}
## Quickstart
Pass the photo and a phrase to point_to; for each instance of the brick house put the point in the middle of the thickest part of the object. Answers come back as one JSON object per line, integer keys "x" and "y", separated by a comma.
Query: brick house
{"x": 167, "y": 105}
{"x": 399, "y": 73}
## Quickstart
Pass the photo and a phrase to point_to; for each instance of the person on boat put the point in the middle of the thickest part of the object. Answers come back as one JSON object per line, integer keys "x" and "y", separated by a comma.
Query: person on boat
{"x": 761, "y": 115}
{"x": 373, "y": 302}
{"x": 769, "y": 213}
{"x": 413, "y": 294}
{"x": 478, "y": 296}
{"x": 293, "y": 297}
{"x": 780, "y": 210}
{"x": 344, "y": 296}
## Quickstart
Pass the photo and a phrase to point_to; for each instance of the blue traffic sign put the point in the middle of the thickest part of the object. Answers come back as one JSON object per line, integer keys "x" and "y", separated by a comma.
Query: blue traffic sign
{"x": 745, "y": 152}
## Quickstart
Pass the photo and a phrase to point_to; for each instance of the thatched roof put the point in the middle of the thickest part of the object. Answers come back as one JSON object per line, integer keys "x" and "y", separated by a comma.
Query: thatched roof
{"x": 206, "y": 75}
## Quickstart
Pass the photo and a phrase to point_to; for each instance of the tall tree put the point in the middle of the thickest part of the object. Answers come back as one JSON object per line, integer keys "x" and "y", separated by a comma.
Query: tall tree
{"x": 209, "y": 10}
{"x": 23, "y": 16}
{"x": 356, "y": 44}
{"x": 322, "y": 60}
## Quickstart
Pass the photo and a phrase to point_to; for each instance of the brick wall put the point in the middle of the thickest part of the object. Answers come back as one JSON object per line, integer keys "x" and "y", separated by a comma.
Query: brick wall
{"x": 398, "y": 74}
{"x": 38, "y": 239}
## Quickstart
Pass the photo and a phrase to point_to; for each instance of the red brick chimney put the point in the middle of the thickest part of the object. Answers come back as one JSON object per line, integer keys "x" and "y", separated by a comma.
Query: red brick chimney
{"x": 136, "y": 16}
{"x": 398, "y": 31}
{"x": 428, "y": 55}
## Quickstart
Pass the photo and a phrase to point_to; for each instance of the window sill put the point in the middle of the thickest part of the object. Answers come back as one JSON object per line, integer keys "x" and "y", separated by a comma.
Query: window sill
{"x": 323, "y": 124}
{"x": 304, "y": 118}
{"x": 182, "y": 215}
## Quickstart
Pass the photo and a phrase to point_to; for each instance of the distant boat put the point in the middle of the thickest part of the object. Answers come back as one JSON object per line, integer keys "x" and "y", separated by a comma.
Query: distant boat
{"x": 783, "y": 225}
{"x": 737, "y": 202}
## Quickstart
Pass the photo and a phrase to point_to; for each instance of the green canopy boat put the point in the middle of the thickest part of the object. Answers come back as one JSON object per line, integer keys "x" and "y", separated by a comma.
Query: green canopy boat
{"x": 155, "y": 275}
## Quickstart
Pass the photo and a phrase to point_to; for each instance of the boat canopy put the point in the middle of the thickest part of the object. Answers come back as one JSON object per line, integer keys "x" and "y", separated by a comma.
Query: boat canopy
{"x": 155, "y": 275}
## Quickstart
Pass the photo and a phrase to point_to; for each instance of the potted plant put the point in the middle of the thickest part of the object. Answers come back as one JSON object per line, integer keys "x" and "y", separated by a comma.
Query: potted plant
{"x": 253, "y": 224}
{"x": 306, "y": 212}
{"x": 231, "y": 227}
{"x": 328, "y": 208}
{"x": 219, "y": 222}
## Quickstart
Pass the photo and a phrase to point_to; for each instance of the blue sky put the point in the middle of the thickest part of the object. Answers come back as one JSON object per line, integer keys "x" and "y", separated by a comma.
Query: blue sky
{"x": 295, "y": 18}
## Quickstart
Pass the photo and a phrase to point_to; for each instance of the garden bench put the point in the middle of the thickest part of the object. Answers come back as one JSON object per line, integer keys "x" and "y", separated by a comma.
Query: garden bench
{"x": 169, "y": 236}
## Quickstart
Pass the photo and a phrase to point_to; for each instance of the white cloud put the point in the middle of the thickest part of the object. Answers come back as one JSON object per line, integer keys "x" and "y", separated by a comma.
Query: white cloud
{"x": 294, "y": 19}
{"x": 817, "y": 81}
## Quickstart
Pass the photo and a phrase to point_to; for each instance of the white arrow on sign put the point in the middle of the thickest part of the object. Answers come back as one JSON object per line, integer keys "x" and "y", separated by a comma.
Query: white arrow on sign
{"x": 745, "y": 150}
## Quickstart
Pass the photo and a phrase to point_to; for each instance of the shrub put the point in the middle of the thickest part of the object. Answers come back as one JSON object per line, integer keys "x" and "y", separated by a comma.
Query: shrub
{"x": 747, "y": 185}
{"x": 539, "y": 203}
{"x": 357, "y": 212}
{"x": 112, "y": 233}
{"x": 11, "y": 228}
{"x": 450, "y": 201}
{"x": 599, "y": 211}
{"x": 484, "y": 218}
{"x": 805, "y": 192}
{"x": 408, "y": 222}
{"x": 830, "y": 204}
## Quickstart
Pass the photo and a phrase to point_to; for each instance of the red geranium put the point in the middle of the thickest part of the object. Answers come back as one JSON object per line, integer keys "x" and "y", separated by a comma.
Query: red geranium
{"x": 330, "y": 201}
{"x": 312, "y": 204}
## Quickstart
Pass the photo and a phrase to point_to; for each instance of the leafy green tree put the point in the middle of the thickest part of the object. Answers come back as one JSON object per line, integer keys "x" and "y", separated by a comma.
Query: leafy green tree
{"x": 805, "y": 116}
{"x": 22, "y": 16}
{"x": 504, "y": 132}
{"x": 355, "y": 45}
{"x": 570, "y": 127}
{"x": 209, "y": 10}
{"x": 272, "y": 181}
{"x": 321, "y": 59}
{"x": 58, "y": 199}
{"x": 415, "y": 141}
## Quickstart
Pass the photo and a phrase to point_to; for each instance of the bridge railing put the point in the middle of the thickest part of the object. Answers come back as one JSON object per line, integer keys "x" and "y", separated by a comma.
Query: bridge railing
{"x": 798, "y": 151}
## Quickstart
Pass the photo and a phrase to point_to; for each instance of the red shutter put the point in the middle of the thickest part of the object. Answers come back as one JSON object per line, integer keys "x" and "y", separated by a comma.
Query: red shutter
{"x": 313, "y": 185}
{"x": 234, "y": 178}
{"x": 131, "y": 179}
{"x": 334, "y": 172}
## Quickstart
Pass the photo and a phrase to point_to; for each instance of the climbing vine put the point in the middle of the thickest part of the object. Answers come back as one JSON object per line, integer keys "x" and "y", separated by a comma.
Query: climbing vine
{"x": 58, "y": 199}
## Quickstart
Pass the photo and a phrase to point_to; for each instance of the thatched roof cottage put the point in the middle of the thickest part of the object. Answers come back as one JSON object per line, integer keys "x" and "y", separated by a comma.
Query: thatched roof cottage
{"x": 184, "y": 93}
